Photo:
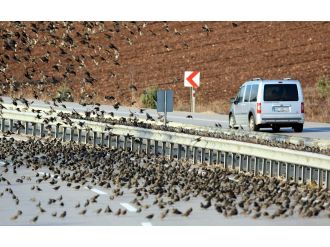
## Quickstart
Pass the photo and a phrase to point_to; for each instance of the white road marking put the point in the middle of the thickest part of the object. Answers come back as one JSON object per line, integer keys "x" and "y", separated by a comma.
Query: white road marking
{"x": 146, "y": 224}
{"x": 129, "y": 207}
{"x": 46, "y": 173}
{"x": 100, "y": 192}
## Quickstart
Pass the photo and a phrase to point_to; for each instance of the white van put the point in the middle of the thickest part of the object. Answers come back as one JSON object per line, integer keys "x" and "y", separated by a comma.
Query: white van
{"x": 268, "y": 104}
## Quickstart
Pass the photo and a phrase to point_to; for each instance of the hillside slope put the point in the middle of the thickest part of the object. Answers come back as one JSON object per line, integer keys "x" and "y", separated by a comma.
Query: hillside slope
{"x": 96, "y": 59}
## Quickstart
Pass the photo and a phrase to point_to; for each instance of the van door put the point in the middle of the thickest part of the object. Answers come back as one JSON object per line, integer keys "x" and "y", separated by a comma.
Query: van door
{"x": 280, "y": 102}
{"x": 238, "y": 106}
{"x": 245, "y": 106}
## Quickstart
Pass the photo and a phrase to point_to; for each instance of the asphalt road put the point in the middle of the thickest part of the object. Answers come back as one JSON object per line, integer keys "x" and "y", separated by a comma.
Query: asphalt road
{"x": 311, "y": 129}
{"x": 30, "y": 198}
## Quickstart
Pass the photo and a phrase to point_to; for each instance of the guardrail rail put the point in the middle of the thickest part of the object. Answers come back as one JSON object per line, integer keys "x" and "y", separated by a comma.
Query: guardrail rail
{"x": 299, "y": 166}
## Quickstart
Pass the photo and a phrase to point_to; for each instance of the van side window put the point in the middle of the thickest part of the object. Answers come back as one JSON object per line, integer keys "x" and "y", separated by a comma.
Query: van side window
{"x": 247, "y": 93}
{"x": 240, "y": 94}
{"x": 254, "y": 93}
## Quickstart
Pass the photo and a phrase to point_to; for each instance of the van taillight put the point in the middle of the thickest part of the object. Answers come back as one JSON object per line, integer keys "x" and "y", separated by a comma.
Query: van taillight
{"x": 259, "y": 108}
{"x": 302, "y": 107}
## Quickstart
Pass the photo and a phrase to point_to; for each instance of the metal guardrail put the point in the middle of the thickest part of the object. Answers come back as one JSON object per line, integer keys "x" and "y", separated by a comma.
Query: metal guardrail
{"x": 258, "y": 159}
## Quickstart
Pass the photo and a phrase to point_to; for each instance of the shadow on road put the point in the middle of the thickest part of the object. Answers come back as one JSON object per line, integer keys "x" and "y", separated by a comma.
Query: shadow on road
{"x": 306, "y": 130}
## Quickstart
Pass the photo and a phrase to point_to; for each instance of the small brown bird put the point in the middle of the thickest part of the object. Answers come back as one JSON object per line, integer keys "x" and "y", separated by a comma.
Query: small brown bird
{"x": 35, "y": 219}
{"x": 62, "y": 215}
{"x": 187, "y": 213}
{"x": 82, "y": 212}
{"x": 150, "y": 216}
{"x": 107, "y": 210}
{"x": 176, "y": 211}
{"x": 56, "y": 188}
{"x": 78, "y": 205}
{"x": 163, "y": 214}
{"x": 99, "y": 210}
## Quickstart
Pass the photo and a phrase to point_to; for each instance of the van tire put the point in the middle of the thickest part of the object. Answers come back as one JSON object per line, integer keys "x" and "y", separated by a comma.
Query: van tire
{"x": 298, "y": 127}
{"x": 232, "y": 121}
{"x": 252, "y": 124}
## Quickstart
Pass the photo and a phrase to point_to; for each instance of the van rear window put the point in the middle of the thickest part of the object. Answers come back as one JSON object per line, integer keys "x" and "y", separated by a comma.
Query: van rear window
{"x": 280, "y": 92}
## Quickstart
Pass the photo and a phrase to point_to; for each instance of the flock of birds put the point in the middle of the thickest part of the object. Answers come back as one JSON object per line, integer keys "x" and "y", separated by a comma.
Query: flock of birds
{"x": 168, "y": 182}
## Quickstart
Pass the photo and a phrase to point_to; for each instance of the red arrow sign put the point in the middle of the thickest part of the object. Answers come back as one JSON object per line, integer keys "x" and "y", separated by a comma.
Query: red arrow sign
{"x": 191, "y": 77}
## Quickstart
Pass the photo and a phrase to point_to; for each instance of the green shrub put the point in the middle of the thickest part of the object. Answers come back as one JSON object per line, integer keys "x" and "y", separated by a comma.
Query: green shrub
{"x": 149, "y": 98}
{"x": 323, "y": 86}
{"x": 64, "y": 94}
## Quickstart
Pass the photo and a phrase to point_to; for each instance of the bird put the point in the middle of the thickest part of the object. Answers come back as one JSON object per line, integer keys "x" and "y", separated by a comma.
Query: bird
{"x": 149, "y": 117}
{"x": 188, "y": 212}
{"x": 218, "y": 125}
{"x": 189, "y": 116}
{"x": 62, "y": 215}
{"x": 107, "y": 209}
{"x": 34, "y": 219}
{"x": 82, "y": 212}
{"x": 150, "y": 216}
{"x": 56, "y": 188}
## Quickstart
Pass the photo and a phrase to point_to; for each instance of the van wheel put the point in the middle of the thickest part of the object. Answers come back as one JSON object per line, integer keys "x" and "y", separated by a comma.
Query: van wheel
{"x": 298, "y": 127}
{"x": 232, "y": 121}
{"x": 276, "y": 128}
{"x": 252, "y": 124}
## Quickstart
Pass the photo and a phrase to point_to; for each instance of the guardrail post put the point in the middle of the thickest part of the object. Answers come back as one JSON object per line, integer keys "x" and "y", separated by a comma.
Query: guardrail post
{"x": 171, "y": 150}
{"x": 34, "y": 129}
{"x": 310, "y": 174}
{"x": 140, "y": 146}
{"x": 71, "y": 134}
{"x": 232, "y": 161}
{"x": 86, "y": 136}
{"x": 132, "y": 144}
{"x": 263, "y": 167}
{"x": 255, "y": 166}
{"x": 270, "y": 168}
{"x": 302, "y": 173}
{"x": 210, "y": 156}
{"x": 218, "y": 157}
{"x": 327, "y": 182}
{"x": 194, "y": 155}
{"x": 94, "y": 138}
{"x": 239, "y": 163}
{"x": 64, "y": 134}
{"x": 117, "y": 141}
{"x": 278, "y": 169}
{"x": 318, "y": 178}
{"x": 109, "y": 140}
{"x": 56, "y": 131}
{"x": 202, "y": 155}
{"x": 225, "y": 160}
{"x": 163, "y": 148}
{"x": 294, "y": 172}
{"x": 102, "y": 139}
{"x": 11, "y": 123}
{"x": 287, "y": 171}
{"x": 26, "y": 127}
{"x": 2, "y": 125}
{"x": 42, "y": 126}
{"x": 125, "y": 142}
{"x": 248, "y": 167}
{"x": 187, "y": 152}
{"x": 148, "y": 147}
{"x": 156, "y": 148}
{"x": 179, "y": 151}
{"x": 79, "y": 135}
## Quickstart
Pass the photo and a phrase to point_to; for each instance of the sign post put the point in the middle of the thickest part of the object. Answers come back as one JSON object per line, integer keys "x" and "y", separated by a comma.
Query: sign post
{"x": 165, "y": 102}
{"x": 192, "y": 80}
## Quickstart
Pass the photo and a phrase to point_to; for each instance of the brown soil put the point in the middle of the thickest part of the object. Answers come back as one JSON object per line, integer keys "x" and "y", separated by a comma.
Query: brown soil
{"x": 157, "y": 54}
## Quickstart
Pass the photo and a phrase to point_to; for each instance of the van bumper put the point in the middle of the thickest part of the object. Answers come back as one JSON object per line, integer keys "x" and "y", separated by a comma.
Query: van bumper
{"x": 264, "y": 120}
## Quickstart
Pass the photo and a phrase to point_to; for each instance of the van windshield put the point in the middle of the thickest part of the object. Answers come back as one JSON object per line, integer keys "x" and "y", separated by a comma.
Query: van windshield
{"x": 280, "y": 92}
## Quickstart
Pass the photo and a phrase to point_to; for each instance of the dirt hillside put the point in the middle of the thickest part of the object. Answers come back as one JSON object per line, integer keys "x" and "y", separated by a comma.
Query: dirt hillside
{"x": 122, "y": 59}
